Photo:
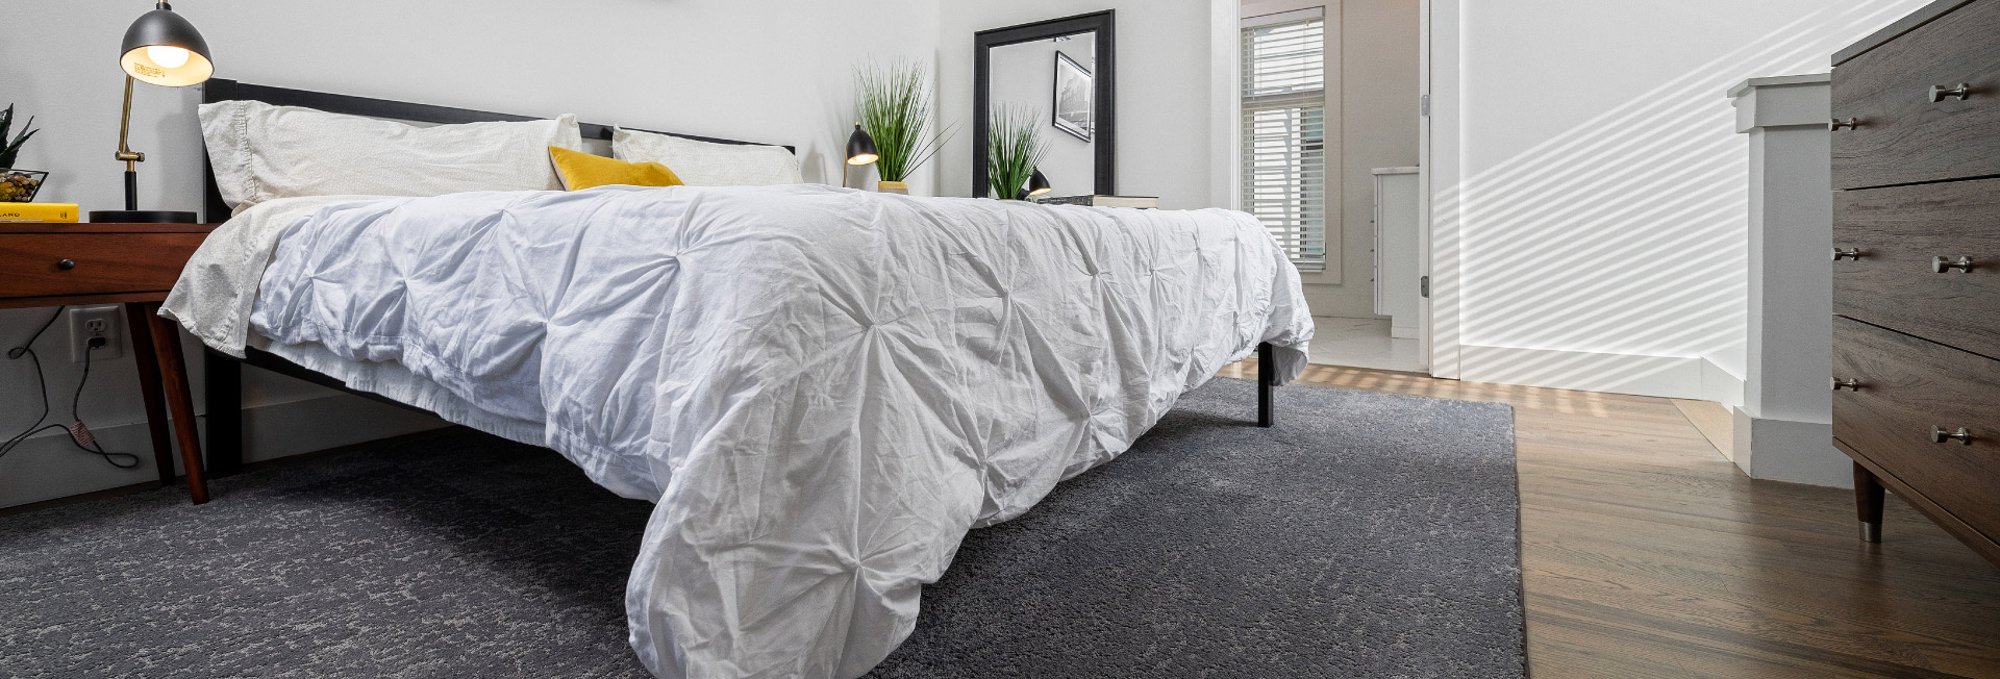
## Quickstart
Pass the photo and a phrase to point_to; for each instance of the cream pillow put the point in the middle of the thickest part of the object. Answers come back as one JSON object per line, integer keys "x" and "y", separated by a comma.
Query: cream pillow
{"x": 261, "y": 152}
{"x": 700, "y": 163}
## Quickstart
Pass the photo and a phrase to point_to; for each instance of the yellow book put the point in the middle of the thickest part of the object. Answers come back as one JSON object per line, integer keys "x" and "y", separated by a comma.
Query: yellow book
{"x": 38, "y": 212}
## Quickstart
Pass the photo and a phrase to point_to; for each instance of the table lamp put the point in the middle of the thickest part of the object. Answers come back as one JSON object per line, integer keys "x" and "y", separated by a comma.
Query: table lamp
{"x": 161, "y": 48}
{"x": 860, "y": 151}
{"x": 1038, "y": 184}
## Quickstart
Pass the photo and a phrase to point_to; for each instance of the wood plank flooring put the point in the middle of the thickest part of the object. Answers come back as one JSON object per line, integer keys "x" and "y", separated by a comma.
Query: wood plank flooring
{"x": 1647, "y": 554}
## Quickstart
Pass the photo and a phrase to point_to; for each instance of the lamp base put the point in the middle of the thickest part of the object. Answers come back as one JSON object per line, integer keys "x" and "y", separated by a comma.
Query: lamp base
{"x": 142, "y": 217}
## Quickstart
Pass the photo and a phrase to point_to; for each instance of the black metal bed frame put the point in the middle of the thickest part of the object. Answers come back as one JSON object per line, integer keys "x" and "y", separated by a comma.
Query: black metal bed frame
{"x": 224, "y": 373}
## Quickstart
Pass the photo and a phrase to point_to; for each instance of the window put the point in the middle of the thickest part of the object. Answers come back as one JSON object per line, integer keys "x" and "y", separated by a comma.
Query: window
{"x": 1284, "y": 131}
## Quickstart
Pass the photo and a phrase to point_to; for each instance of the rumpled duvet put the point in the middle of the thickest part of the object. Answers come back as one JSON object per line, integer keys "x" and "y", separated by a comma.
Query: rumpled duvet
{"x": 821, "y": 390}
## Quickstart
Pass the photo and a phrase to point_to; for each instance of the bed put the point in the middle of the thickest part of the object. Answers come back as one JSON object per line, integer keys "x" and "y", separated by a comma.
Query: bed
{"x": 821, "y": 390}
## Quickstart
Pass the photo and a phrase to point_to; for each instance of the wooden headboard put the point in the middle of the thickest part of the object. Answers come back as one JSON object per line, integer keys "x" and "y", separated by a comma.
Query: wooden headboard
{"x": 214, "y": 211}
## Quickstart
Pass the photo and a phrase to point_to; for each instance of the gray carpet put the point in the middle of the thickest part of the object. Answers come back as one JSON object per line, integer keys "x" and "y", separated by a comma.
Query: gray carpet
{"x": 1368, "y": 535}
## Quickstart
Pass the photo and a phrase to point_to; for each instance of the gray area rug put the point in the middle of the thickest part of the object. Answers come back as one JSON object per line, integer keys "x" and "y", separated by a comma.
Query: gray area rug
{"x": 1367, "y": 535}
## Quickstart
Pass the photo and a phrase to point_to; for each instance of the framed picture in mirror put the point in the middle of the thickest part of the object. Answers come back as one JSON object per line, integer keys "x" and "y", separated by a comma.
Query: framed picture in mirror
{"x": 1073, "y": 90}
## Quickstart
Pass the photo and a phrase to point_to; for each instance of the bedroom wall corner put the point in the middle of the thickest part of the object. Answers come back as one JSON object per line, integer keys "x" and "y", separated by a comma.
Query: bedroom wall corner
{"x": 1597, "y": 207}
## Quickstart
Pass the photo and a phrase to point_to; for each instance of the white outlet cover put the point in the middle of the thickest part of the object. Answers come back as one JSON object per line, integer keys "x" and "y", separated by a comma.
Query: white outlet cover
{"x": 113, "y": 318}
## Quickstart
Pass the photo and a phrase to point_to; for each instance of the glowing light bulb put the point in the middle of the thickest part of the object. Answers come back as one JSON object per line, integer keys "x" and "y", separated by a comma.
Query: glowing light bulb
{"x": 167, "y": 57}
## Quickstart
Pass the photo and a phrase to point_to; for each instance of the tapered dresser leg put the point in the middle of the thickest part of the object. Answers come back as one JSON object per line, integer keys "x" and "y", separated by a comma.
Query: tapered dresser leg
{"x": 180, "y": 404}
{"x": 1868, "y": 498}
{"x": 1267, "y": 380}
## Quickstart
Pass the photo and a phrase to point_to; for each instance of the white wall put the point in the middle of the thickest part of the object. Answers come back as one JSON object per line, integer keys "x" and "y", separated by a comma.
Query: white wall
{"x": 1598, "y": 185}
{"x": 1372, "y": 64}
{"x": 1024, "y": 75}
{"x": 760, "y": 70}
{"x": 1164, "y": 102}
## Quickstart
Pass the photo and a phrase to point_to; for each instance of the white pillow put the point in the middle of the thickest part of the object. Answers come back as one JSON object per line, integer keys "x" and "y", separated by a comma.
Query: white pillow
{"x": 700, "y": 163}
{"x": 261, "y": 152}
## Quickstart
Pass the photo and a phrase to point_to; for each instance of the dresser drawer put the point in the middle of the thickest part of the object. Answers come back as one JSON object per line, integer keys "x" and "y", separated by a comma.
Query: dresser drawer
{"x": 33, "y": 264}
{"x": 1907, "y": 387}
{"x": 1899, "y": 233}
{"x": 1902, "y": 136}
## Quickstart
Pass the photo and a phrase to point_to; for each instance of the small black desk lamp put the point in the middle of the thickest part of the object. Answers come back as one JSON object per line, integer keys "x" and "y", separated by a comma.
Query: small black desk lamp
{"x": 161, "y": 48}
{"x": 860, "y": 151}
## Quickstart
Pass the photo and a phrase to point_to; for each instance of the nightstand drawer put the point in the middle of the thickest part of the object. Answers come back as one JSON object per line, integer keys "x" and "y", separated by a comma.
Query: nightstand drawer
{"x": 58, "y": 264}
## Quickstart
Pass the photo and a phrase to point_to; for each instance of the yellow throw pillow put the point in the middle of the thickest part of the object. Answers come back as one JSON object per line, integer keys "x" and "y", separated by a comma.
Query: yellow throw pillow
{"x": 580, "y": 171}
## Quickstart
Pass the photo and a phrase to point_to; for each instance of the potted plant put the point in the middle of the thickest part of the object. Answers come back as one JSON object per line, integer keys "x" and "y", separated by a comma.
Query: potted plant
{"x": 16, "y": 186}
{"x": 896, "y": 112}
{"x": 1014, "y": 147}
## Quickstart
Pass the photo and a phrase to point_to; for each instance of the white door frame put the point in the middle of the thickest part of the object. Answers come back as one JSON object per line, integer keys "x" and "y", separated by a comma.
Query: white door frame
{"x": 1441, "y": 212}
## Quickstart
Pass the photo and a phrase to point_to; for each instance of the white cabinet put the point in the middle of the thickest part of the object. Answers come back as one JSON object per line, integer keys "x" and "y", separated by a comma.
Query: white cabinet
{"x": 1397, "y": 269}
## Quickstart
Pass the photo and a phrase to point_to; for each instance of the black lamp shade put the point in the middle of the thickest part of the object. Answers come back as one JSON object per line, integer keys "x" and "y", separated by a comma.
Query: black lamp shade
{"x": 161, "y": 48}
{"x": 1039, "y": 184}
{"x": 861, "y": 148}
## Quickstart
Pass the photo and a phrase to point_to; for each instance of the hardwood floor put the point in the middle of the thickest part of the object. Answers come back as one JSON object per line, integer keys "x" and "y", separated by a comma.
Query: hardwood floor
{"x": 1645, "y": 553}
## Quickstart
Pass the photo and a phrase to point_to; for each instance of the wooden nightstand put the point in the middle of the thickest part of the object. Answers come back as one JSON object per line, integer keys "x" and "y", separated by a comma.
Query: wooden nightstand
{"x": 45, "y": 265}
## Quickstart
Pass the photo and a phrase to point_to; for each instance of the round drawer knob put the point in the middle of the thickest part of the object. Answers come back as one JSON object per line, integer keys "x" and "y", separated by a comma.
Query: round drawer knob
{"x": 1942, "y": 435}
{"x": 1961, "y": 92}
{"x": 66, "y": 264}
{"x": 1942, "y": 264}
{"x": 1847, "y": 253}
{"x": 1848, "y": 384}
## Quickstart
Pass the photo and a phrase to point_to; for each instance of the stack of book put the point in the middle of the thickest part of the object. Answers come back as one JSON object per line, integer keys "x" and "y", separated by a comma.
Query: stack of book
{"x": 38, "y": 212}
{"x": 1105, "y": 201}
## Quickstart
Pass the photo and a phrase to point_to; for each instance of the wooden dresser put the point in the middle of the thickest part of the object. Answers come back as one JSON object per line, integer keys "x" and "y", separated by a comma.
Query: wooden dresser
{"x": 1916, "y": 268}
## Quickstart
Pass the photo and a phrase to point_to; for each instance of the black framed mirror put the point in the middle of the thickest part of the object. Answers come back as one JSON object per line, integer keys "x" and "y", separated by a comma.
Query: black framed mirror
{"x": 1065, "y": 70}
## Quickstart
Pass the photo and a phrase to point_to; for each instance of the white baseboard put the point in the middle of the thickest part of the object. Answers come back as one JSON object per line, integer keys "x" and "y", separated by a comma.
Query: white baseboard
{"x": 1720, "y": 385}
{"x": 49, "y": 467}
{"x": 1637, "y": 374}
{"x": 1784, "y": 450}
{"x": 1664, "y": 376}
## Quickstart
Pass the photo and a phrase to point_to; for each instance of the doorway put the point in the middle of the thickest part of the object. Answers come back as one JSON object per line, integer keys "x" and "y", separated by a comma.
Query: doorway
{"x": 1327, "y": 130}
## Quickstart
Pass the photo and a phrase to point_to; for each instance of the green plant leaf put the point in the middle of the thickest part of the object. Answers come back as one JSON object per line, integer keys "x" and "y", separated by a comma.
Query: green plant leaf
{"x": 9, "y": 150}
{"x": 896, "y": 109}
{"x": 1014, "y": 148}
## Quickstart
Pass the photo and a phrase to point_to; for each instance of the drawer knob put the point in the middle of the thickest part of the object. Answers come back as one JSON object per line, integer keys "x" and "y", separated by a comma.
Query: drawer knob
{"x": 1850, "y": 385}
{"x": 1942, "y": 264}
{"x": 1850, "y": 123}
{"x": 1939, "y": 435}
{"x": 1849, "y": 253}
{"x": 1960, "y": 92}
{"x": 66, "y": 264}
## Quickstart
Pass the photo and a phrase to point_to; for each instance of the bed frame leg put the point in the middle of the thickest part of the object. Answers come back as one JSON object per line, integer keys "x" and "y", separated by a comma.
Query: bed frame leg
{"x": 224, "y": 402}
{"x": 1267, "y": 382}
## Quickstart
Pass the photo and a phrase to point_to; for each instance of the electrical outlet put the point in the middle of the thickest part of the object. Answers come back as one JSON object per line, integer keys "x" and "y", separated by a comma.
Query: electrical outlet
{"x": 96, "y": 321}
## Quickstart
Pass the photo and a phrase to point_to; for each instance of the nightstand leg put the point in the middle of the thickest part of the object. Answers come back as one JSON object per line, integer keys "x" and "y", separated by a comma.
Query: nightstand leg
{"x": 1868, "y": 498}
{"x": 149, "y": 386}
{"x": 173, "y": 376}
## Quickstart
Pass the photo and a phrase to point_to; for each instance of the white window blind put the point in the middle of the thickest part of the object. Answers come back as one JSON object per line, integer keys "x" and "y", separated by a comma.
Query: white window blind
{"x": 1284, "y": 131}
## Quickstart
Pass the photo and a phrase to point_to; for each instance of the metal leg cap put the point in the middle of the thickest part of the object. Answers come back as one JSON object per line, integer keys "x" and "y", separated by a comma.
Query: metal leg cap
{"x": 1871, "y": 532}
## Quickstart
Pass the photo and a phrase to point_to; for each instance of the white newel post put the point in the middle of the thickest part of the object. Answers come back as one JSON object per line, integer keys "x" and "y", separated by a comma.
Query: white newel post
{"x": 1783, "y": 431}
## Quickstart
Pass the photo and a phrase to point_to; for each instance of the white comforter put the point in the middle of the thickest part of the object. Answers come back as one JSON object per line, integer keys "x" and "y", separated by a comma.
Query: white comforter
{"x": 821, "y": 389}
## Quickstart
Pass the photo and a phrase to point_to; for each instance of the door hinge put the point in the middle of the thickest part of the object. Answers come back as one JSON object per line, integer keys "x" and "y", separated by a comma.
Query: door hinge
{"x": 1424, "y": 286}
{"x": 1424, "y": 106}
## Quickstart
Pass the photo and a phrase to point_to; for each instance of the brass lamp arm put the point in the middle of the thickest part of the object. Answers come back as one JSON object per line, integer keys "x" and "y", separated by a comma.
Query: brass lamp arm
{"x": 125, "y": 153}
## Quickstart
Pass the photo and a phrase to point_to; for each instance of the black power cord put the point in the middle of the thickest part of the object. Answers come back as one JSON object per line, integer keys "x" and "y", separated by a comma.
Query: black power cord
{"x": 78, "y": 436}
